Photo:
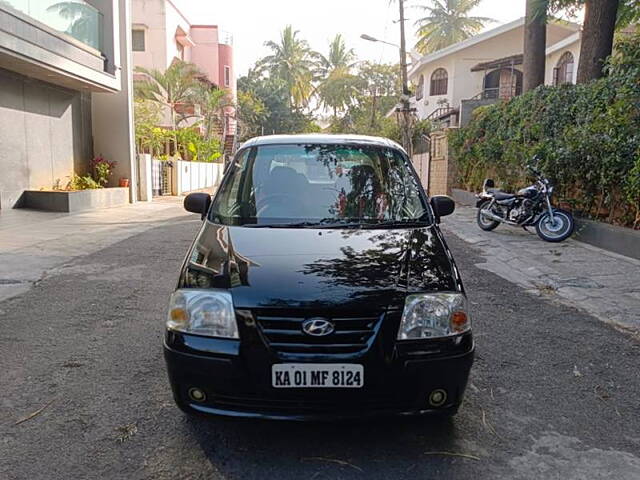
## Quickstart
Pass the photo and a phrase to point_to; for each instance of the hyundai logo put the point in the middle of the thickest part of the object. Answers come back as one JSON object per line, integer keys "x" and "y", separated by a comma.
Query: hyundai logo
{"x": 317, "y": 327}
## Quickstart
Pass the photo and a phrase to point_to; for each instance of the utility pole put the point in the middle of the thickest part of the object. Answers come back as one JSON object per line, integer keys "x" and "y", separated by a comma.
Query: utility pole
{"x": 405, "y": 108}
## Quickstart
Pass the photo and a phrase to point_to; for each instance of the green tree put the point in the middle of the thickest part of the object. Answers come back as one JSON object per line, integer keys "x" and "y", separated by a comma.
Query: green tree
{"x": 292, "y": 61}
{"x": 213, "y": 102}
{"x": 265, "y": 107}
{"x": 447, "y": 22}
{"x": 381, "y": 90}
{"x": 146, "y": 118}
{"x": 337, "y": 87}
{"x": 251, "y": 113}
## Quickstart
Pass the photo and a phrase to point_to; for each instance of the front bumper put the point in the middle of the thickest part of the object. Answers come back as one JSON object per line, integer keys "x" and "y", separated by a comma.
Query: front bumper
{"x": 236, "y": 381}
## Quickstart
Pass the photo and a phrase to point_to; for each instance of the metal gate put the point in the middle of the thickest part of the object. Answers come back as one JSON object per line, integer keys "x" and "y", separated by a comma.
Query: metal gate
{"x": 161, "y": 177}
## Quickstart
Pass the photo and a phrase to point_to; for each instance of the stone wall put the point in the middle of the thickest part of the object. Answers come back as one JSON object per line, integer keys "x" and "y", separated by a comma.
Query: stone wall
{"x": 45, "y": 134}
{"x": 442, "y": 168}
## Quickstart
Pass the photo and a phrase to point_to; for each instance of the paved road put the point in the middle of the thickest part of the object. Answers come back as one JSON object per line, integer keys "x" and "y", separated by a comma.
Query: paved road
{"x": 553, "y": 394}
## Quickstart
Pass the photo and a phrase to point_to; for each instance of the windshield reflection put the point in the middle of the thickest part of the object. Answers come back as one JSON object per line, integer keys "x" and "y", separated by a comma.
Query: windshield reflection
{"x": 311, "y": 184}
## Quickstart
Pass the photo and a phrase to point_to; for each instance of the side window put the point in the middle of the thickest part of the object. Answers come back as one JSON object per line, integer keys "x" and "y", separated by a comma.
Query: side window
{"x": 232, "y": 196}
{"x": 563, "y": 72}
{"x": 439, "y": 81}
{"x": 137, "y": 40}
{"x": 420, "y": 88}
{"x": 227, "y": 75}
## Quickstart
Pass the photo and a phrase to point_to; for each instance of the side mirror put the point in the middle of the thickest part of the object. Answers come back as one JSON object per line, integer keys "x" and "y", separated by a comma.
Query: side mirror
{"x": 442, "y": 206}
{"x": 198, "y": 203}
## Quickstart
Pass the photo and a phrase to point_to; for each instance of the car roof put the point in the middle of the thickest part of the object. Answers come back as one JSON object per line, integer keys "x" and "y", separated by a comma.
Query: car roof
{"x": 321, "y": 138}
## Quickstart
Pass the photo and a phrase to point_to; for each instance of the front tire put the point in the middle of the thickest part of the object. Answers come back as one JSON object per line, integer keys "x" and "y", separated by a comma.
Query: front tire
{"x": 484, "y": 223}
{"x": 559, "y": 230}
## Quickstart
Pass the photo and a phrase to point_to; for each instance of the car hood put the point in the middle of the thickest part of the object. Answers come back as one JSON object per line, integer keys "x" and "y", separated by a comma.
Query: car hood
{"x": 347, "y": 270}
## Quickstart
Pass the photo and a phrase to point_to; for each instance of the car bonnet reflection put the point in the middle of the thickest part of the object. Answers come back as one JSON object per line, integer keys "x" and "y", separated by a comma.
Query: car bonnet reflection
{"x": 300, "y": 268}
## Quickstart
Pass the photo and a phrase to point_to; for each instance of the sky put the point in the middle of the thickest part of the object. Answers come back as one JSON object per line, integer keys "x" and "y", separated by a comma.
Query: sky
{"x": 253, "y": 22}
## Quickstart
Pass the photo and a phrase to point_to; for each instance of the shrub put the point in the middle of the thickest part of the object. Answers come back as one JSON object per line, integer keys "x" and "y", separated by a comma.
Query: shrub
{"x": 588, "y": 137}
{"x": 76, "y": 182}
{"x": 101, "y": 170}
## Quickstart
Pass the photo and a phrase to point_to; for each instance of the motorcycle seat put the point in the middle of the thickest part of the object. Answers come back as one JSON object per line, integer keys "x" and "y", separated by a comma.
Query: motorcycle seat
{"x": 500, "y": 195}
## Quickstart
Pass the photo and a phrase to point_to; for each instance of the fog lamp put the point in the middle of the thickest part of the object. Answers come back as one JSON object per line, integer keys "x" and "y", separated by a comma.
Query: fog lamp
{"x": 197, "y": 395}
{"x": 437, "y": 398}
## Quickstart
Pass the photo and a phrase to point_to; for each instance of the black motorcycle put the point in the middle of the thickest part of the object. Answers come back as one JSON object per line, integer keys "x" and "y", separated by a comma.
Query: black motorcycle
{"x": 531, "y": 206}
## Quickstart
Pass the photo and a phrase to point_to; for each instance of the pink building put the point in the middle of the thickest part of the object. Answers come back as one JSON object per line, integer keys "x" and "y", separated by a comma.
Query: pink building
{"x": 162, "y": 33}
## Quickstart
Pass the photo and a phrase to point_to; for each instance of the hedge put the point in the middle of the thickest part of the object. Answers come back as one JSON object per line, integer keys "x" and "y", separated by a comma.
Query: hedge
{"x": 587, "y": 136}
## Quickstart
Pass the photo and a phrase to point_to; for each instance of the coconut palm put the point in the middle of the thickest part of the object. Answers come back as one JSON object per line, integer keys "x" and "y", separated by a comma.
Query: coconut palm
{"x": 177, "y": 85}
{"x": 447, "y": 22}
{"x": 340, "y": 57}
{"x": 292, "y": 60}
{"x": 338, "y": 87}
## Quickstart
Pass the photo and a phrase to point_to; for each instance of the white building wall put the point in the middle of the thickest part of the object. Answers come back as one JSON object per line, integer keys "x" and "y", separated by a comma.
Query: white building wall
{"x": 463, "y": 83}
{"x": 173, "y": 20}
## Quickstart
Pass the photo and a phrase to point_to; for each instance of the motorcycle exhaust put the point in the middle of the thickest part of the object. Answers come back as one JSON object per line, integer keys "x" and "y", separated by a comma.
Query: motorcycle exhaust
{"x": 492, "y": 216}
{"x": 496, "y": 218}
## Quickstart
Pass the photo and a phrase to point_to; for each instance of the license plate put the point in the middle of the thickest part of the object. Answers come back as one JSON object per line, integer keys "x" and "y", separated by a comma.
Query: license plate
{"x": 317, "y": 375}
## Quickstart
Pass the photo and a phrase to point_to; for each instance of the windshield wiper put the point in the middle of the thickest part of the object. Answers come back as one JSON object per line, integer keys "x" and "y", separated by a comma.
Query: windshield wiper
{"x": 398, "y": 224}
{"x": 323, "y": 223}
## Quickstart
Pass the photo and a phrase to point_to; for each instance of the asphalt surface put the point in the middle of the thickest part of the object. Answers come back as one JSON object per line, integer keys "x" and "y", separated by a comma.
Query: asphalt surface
{"x": 554, "y": 393}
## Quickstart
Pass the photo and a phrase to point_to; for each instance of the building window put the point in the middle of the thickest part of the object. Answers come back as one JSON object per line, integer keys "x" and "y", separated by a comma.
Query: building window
{"x": 563, "y": 73}
{"x": 227, "y": 75}
{"x": 137, "y": 40}
{"x": 420, "y": 88}
{"x": 180, "y": 49}
{"x": 439, "y": 80}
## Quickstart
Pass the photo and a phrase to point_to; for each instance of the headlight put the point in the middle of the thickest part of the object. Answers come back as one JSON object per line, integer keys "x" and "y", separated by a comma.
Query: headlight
{"x": 430, "y": 315}
{"x": 203, "y": 312}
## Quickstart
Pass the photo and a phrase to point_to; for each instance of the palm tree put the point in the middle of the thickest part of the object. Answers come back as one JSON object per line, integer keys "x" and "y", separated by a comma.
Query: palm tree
{"x": 340, "y": 57}
{"x": 292, "y": 60}
{"x": 338, "y": 87}
{"x": 177, "y": 85}
{"x": 447, "y": 22}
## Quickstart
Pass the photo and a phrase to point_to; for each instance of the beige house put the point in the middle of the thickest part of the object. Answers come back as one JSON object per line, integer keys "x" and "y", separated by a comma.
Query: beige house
{"x": 453, "y": 81}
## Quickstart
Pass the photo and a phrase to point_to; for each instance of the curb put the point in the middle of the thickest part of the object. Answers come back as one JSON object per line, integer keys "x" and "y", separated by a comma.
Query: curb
{"x": 620, "y": 240}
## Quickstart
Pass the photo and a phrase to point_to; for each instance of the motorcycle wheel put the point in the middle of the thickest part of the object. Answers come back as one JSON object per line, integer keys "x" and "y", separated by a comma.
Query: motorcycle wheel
{"x": 484, "y": 223}
{"x": 559, "y": 230}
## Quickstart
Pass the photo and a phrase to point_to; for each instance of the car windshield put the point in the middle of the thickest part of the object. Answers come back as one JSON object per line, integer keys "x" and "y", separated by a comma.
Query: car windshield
{"x": 319, "y": 185}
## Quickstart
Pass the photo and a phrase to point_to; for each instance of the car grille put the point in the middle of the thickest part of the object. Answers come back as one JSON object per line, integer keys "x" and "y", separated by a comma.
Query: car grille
{"x": 351, "y": 335}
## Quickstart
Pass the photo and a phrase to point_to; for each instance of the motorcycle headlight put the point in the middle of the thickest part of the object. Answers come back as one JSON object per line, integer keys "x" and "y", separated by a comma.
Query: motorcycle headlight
{"x": 203, "y": 312}
{"x": 431, "y": 315}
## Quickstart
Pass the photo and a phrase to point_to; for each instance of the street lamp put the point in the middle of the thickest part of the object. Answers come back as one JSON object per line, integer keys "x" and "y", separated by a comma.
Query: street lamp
{"x": 369, "y": 38}
{"x": 415, "y": 56}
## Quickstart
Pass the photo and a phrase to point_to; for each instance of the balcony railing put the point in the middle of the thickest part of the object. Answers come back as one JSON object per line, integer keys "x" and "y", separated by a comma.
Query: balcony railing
{"x": 225, "y": 38}
{"x": 74, "y": 17}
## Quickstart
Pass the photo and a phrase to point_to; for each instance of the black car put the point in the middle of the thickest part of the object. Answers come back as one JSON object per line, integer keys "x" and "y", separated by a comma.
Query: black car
{"x": 319, "y": 286}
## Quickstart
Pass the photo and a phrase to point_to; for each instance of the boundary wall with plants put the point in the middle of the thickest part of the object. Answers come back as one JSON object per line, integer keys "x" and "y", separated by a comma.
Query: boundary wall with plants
{"x": 587, "y": 138}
